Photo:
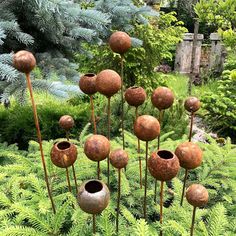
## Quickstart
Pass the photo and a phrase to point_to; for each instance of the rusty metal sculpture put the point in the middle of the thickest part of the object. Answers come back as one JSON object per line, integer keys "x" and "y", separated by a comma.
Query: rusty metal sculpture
{"x": 93, "y": 198}
{"x": 25, "y": 62}
{"x": 146, "y": 128}
{"x": 197, "y": 196}
{"x": 136, "y": 96}
{"x": 119, "y": 159}
{"x": 108, "y": 83}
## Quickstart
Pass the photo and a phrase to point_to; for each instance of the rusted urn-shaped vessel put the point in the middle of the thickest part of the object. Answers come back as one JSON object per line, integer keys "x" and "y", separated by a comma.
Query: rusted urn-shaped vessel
{"x": 87, "y": 83}
{"x": 93, "y": 196}
{"x": 119, "y": 158}
{"x": 146, "y": 128}
{"x": 66, "y": 122}
{"x": 120, "y": 42}
{"x": 135, "y": 96}
{"x": 162, "y": 98}
{"x": 24, "y": 61}
{"x": 197, "y": 195}
{"x": 189, "y": 155}
{"x": 63, "y": 154}
{"x": 163, "y": 165}
{"x": 192, "y": 104}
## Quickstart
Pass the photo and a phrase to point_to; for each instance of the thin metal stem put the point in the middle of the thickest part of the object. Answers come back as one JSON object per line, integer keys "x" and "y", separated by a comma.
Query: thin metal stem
{"x": 108, "y": 136}
{"x": 94, "y": 224}
{"x": 191, "y": 127}
{"x": 122, "y": 100}
{"x": 93, "y": 115}
{"x": 193, "y": 220}
{"x": 161, "y": 205}
{"x": 40, "y": 140}
{"x": 118, "y": 201}
{"x": 98, "y": 170}
{"x": 184, "y": 184}
{"x": 145, "y": 187}
{"x": 68, "y": 179}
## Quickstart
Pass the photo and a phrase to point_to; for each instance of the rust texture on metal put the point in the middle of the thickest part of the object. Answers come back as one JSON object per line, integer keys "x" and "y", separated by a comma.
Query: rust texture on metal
{"x": 135, "y": 96}
{"x": 66, "y": 122}
{"x": 192, "y": 104}
{"x": 119, "y": 158}
{"x": 87, "y": 83}
{"x": 120, "y": 42}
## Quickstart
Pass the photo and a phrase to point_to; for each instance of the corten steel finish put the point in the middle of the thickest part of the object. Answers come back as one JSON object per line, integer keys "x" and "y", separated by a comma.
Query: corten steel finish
{"x": 87, "y": 83}
{"x": 66, "y": 122}
{"x": 162, "y": 98}
{"x": 93, "y": 196}
{"x": 63, "y": 154}
{"x": 120, "y": 42}
{"x": 135, "y": 96}
{"x": 192, "y": 104}
{"x": 108, "y": 82}
{"x": 97, "y": 147}
{"x": 146, "y": 128}
{"x": 163, "y": 165}
{"x": 119, "y": 158}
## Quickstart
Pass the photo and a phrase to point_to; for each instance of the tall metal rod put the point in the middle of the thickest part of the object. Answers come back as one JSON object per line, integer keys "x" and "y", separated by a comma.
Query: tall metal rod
{"x": 122, "y": 100}
{"x": 108, "y": 136}
{"x": 93, "y": 115}
{"x": 94, "y": 224}
{"x": 145, "y": 185}
{"x": 118, "y": 201}
{"x": 40, "y": 140}
{"x": 191, "y": 127}
{"x": 193, "y": 220}
{"x": 68, "y": 179}
{"x": 161, "y": 205}
{"x": 98, "y": 170}
{"x": 184, "y": 184}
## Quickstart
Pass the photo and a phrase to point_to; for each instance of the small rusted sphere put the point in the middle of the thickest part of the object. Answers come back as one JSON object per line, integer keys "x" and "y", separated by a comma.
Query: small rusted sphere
{"x": 63, "y": 154}
{"x": 192, "y": 104}
{"x": 119, "y": 158}
{"x": 162, "y": 98}
{"x": 93, "y": 196}
{"x": 120, "y": 42}
{"x": 163, "y": 165}
{"x": 146, "y": 128}
{"x": 135, "y": 96}
{"x": 189, "y": 154}
{"x": 87, "y": 83}
{"x": 108, "y": 82}
{"x": 24, "y": 61}
{"x": 66, "y": 122}
{"x": 197, "y": 195}
{"x": 97, "y": 147}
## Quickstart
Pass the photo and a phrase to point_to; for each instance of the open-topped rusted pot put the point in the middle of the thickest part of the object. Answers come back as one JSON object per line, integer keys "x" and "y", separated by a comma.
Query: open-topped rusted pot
{"x": 135, "y": 96}
{"x": 87, "y": 83}
{"x": 120, "y": 42}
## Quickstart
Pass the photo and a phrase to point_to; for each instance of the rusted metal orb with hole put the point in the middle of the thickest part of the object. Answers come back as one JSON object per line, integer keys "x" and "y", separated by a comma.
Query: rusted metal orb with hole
{"x": 63, "y": 154}
{"x": 197, "y": 195}
{"x": 87, "y": 83}
{"x": 120, "y": 42}
{"x": 97, "y": 147}
{"x": 108, "y": 82}
{"x": 93, "y": 196}
{"x": 135, "y": 96}
{"x": 189, "y": 154}
{"x": 163, "y": 165}
{"x": 119, "y": 158}
{"x": 192, "y": 104}
{"x": 24, "y": 61}
{"x": 162, "y": 98}
{"x": 146, "y": 128}
{"x": 66, "y": 122}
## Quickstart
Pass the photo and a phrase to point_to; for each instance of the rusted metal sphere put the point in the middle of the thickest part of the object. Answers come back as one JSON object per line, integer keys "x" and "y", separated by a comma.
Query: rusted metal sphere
{"x": 119, "y": 158}
{"x": 108, "y": 82}
{"x": 163, "y": 165}
{"x": 66, "y": 122}
{"x": 97, "y": 147}
{"x": 87, "y": 83}
{"x": 93, "y": 196}
{"x": 192, "y": 104}
{"x": 197, "y": 195}
{"x": 63, "y": 154}
{"x": 189, "y": 154}
{"x": 24, "y": 61}
{"x": 146, "y": 128}
{"x": 135, "y": 96}
{"x": 162, "y": 98}
{"x": 120, "y": 42}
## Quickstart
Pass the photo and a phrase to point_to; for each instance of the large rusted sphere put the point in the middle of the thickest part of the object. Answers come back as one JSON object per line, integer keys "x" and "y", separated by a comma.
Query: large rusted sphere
{"x": 135, "y": 96}
{"x": 163, "y": 165}
{"x": 192, "y": 104}
{"x": 146, "y": 128}
{"x": 189, "y": 154}
{"x": 87, "y": 83}
{"x": 93, "y": 196}
{"x": 197, "y": 195}
{"x": 162, "y": 98}
{"x": 119, "y": 158}
{"x": 120, "y": 42}
{"x": 24, "y": 61}
{"x": 108, "y": 82}
{"x": 63, "y": 154}
{"x": 66, "y": 122}
{"x": 97, "y": 147}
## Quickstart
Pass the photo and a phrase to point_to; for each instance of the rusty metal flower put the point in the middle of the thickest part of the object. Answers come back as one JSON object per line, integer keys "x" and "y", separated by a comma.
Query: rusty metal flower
{"x": 87, "y": 83}
{"x": 192, "y": 104}
{"x": 119, "y": 158}
{"x": 66, "y": 122}
{"x": 135, "y": 96}
{"x": 120, "y": 42}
